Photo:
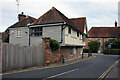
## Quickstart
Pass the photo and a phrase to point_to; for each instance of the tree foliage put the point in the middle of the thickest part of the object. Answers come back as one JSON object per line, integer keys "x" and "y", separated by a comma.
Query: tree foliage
{"x": 54, "y": 44}
{"x": 119, "y": 35}
{"x": 113, "y": 42}
{"x": 93, "y": 46}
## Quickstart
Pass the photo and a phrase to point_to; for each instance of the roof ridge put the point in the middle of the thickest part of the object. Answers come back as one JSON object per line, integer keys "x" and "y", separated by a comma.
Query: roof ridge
{"x": 78, "y": 18}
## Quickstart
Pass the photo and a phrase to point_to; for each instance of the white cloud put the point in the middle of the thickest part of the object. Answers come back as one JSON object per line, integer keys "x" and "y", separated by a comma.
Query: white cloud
{"x": 98, "y": 13}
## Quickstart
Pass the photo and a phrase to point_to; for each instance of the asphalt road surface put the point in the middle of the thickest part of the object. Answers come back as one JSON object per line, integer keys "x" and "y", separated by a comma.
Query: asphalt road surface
{"x": 92, "y": 68}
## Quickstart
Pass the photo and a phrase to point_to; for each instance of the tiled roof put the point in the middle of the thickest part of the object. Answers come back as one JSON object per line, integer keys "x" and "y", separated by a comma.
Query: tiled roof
{"x": 23, "y": 22}
{"x": 103, "y": 32}
{"x": 53, "y": 16}
{"x": 79, "y": 23}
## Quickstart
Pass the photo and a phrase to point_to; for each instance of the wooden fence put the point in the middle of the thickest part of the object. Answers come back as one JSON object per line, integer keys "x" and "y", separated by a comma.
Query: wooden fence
{"x": 18, "y": 57}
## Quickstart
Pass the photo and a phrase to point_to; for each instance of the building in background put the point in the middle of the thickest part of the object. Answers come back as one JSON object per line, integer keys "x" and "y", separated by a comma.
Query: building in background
{"x": 102, "y": 34}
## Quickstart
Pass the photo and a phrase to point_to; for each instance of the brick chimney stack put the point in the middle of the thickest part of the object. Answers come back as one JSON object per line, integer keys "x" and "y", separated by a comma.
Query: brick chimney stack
{"x": 115, "y": 23}
{"x": 21, "y": 16}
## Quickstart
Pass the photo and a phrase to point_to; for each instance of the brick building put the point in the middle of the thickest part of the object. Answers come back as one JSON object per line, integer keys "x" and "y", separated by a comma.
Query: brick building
{"x": 102, "y": 34}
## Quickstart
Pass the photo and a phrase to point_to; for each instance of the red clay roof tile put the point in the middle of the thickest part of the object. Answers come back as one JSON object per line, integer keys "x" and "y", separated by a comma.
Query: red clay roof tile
{"x": 23, "y": 22}
{"x": 103, "y": 32}
{"x": 53, "y": 16}
{"x": 79, "y": 23}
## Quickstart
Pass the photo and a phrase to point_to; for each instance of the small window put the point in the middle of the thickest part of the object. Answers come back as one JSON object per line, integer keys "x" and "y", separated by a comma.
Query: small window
{"x": 69, "y": 30}
{"x": 89, "y": 39}
{"x": 18, "y": 33}
{"x": 77, "y": 34}
{"x": 98, "y": 39}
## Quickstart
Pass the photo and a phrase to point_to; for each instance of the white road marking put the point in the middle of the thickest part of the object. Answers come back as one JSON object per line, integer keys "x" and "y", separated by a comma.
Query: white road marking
{"x": 61, "y": 74}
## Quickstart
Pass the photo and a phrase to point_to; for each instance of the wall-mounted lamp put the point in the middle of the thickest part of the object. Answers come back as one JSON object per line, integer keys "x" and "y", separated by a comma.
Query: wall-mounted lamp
{"x": 26, "y": 32}
{"x": 12, "y": 32}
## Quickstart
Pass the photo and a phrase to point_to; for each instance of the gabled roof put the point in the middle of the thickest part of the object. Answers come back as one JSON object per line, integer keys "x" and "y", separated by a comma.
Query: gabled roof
{"x": 79, "y": 23}
{"x": 53, "y": 16}
{"x": 23, "y": 22}
{"x": 99, "y": 32}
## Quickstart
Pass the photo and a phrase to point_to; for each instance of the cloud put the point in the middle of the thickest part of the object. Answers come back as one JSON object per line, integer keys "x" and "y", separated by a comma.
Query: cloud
{"x": 98, "y": 13}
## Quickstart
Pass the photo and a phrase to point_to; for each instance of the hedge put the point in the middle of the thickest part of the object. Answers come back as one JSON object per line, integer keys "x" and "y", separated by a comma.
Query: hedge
{"x": 112, "y": 51}
{"x": 85, "y": 50}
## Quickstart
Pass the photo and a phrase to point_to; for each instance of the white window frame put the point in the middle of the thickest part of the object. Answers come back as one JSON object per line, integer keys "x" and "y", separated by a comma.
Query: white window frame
{"x": 18, "y": 33}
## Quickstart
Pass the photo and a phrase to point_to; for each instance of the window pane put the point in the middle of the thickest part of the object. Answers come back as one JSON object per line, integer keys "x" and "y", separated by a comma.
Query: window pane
{"x": 69, "y": 30}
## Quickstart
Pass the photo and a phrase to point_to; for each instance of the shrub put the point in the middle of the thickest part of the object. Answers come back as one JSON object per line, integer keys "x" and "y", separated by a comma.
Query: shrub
{"x": 93, "y": 46}
{"x": 54, "y": 44}
{"x": 112, "y": 51}
{"x": 85, "y": 50}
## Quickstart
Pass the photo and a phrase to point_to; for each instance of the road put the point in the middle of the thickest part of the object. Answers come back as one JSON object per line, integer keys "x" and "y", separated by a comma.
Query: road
{"x": 92, "y": 68}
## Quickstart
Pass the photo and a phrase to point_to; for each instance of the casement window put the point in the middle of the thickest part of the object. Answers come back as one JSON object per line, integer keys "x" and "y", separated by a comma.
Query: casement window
{"x": 77, "y": 34}
{"x": 36, "y": 31}
{"x": 69, "y": 30}
{"x": 18, "y": 33}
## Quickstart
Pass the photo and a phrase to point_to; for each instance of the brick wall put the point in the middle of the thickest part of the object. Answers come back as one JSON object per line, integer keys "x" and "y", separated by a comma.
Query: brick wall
{"x": 50, "y": 56}
{"x": 86, "y": 43}
{"x": 66, "y": 50}
{"x": 69, "y": 52}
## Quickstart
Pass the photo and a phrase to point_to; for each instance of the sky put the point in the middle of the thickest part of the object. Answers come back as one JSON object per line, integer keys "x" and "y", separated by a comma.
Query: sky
{"x": 99, "y": 13}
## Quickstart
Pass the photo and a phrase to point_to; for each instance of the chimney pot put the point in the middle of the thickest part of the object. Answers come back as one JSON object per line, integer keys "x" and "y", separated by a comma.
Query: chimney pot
{"x": 22, "y": 12}
{"x": 115, "y": 23}
{"x": 21, "y": 16}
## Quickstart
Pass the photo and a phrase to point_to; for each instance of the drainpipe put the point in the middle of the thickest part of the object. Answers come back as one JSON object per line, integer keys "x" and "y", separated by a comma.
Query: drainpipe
{"x": 29, "y": 35}
{"x": 62, "y": 28}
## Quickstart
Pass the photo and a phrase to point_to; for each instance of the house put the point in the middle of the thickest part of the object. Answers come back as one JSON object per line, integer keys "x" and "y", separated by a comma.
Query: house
{"x": 102, "y": 34}
{"x": 70, "y": 33}
{"x": 19, "y": 32}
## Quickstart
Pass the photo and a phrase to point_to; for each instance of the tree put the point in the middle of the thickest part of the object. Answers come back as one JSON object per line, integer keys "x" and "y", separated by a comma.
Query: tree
{"x": 93, "y": 46}
{"x": 118, "y": 34}
{"x": 113, "y": 42}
